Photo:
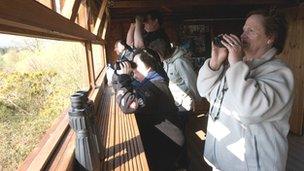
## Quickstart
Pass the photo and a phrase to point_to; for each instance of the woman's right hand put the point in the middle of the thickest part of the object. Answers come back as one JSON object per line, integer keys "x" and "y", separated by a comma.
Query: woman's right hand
{"x": 218, "y": 56}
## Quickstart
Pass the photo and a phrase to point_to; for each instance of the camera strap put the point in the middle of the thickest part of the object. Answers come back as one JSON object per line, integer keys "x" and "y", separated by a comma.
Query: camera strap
{"x": 218, "y": 100}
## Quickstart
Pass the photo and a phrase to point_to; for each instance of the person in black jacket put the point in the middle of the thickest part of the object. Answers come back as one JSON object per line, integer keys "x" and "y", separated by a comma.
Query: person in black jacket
{"x": 147, "y": 32}
{"x": 156, "y": 114}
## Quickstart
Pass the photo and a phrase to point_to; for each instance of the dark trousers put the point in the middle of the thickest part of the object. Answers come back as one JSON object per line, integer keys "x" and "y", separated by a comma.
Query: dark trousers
{"x": 183, "y": 161}
{"x": 161, "y": 152}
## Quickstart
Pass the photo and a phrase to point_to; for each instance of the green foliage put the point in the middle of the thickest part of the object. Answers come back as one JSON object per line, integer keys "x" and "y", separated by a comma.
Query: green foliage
{"x": 22, "y": 96}
{"x": 35, "y": 86}
{"x": 26, "y": 92}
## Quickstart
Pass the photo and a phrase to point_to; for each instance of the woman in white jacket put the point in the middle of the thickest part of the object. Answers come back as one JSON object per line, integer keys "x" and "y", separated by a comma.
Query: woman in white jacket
{"x": 250, "y": 99}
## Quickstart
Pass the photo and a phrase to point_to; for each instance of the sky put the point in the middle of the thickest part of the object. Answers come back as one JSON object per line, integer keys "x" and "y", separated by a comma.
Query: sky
{"x": 11, "y": 40}
{"x": 7, "y": 40}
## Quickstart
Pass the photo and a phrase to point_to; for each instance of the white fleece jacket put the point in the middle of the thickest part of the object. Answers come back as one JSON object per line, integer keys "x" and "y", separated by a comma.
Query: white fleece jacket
{"x": 250, "y": 132}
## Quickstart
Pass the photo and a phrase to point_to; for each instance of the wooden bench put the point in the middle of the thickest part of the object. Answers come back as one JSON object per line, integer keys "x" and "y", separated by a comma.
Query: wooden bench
{"x": 122, "y": 147}
{"x": 120, "y": 138}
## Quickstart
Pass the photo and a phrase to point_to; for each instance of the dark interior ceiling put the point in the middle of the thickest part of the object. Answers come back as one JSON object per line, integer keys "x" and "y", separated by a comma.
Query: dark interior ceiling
{"x": 194, "y": 9}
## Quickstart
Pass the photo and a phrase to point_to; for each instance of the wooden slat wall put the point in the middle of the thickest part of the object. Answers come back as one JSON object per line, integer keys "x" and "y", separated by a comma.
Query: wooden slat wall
{"x": 293, "y": 55}
{"x": 118, "y": 30}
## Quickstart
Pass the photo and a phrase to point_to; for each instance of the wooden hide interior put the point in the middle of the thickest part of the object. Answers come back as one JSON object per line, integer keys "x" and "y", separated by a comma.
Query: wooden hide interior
{"x": 221, "y": 17}
{"x": 105, "y": 21}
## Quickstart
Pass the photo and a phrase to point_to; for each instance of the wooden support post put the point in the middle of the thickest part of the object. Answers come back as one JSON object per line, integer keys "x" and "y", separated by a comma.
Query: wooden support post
{"x": 90, "y": 63}
{"x": 107, "y": 22}
{"x": 100, "y": 15}
{"x": 70, "y": 8}
{"x": 48, "y": 3}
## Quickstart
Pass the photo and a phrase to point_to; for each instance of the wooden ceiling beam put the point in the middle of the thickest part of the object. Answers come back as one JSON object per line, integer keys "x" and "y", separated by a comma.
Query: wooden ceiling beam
{"x": 100, "y": 15}
{"x": 75, "y": 10}
{"x": 48, "y": 3}
{"x": 70, "y": 7}
{"x": 33, "y": 16}
{"x": 107, "y": 22}
{"x": 179, "y": 3}
{"x": 5, "y": 29}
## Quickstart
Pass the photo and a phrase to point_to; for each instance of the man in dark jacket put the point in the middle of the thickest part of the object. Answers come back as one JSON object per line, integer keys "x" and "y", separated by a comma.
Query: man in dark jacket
{"x": 152, "y": 102}
{"x": 147, "y": 32}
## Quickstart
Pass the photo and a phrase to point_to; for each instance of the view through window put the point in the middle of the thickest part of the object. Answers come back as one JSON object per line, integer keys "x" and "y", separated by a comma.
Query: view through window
{"x": 37, "y": 77}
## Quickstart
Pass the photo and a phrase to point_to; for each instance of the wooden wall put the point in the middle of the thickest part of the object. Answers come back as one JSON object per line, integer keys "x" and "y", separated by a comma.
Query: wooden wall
{"x": 118, "y": 30}
{"x": 293, "y": 54}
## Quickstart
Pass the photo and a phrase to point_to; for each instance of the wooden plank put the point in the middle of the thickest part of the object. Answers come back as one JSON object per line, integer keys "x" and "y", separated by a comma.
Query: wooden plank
{"x": 123, "y": 148}
{"x": 38, "y": 160}
{"x": 110, "y": 138}
{"x": 90, "y": 63}
{"x": 179, "y": 3}
{"x": 75, "y": 10}
{"x": 68, "y": 8}
{"x": 123, "y": 141}
{"x": 100, "y": 15}
{"x": 104, "y": 123}
{"x": 131, "y": 163}
{"x": 117, "y": 140}
{"x": 133, "y": 145}
{"x": 32, "y": 33}
{"x": 292, "y": 51}
{"x": 48, "y": 3}
{"x": 32, "y": 15}
{"x": 126, "y": 157}
{"x": 65, "y": 156}
{"x": 106, "y": 128}
{"x": 140, "y": 148}
{"x": 83, "y": 15}
{"x": 107, "y": 23}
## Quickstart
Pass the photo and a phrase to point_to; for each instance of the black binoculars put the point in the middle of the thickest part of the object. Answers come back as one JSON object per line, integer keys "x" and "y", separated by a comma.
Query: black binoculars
{"x": 217, "y": 41}
{"x": 118, "y": 62}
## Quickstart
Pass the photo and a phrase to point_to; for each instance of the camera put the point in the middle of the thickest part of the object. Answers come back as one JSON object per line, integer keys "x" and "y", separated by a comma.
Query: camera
{"x": 217, "y": 41}
{"x": 118, "y": 62}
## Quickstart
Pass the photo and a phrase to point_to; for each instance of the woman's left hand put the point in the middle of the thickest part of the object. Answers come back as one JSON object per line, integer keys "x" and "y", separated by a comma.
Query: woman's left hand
{"x": 233, "y": 45}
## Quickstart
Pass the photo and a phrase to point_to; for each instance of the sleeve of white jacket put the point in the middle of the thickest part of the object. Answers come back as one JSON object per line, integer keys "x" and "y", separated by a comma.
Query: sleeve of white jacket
{"x": 262, "y": 98}
{"x": 207, "y": 79}
{"x": 188, "y": 75}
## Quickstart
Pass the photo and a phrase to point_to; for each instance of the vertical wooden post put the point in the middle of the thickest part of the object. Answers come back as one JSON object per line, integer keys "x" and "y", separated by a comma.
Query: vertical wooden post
{"x": 90, "y": 63}
{"x": 107, "y": 22}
